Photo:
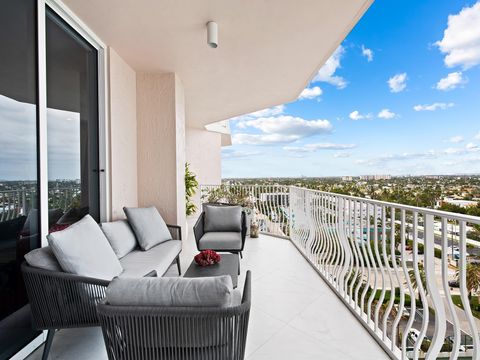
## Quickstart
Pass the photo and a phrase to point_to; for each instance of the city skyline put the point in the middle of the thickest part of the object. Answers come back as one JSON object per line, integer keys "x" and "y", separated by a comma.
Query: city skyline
{"x": 398, "y": 96}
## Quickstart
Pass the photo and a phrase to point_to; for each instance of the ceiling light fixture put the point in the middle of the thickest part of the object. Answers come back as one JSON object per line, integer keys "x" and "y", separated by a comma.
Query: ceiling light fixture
{"x": 212, "y": 34}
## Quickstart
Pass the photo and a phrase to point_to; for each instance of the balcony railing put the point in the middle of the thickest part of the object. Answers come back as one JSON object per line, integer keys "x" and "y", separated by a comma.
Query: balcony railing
{"x": 14, "y": 203}
{"x": 403, "y": 271}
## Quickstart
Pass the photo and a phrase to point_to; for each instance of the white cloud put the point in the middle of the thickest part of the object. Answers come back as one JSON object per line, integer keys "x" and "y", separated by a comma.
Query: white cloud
{"x": 461, "y": 38}
{"x": 477, "y": 137}
{"x": 430, "y": 154}
{"x": 342, "y": 155}
{"x": 472, "y": 147}
{"x": 281, "y": 129}
{"x": 433, "y": 107}
{"x": 456, "y": 139}
{"x": 452, "y": 81}
{"x": 398, "y": 82}
{"x": 238, "y": 154}
{"x": 327, "y": 72}
{"x": 355, "y": 115}
{"x": 386, "y": 114}
{"x": 272, "y": 111}
{"x": 368, "y": 53}
{"x": 262, "y": 139}
{"x": 310, "y": 93}
{"x": 318, "y": 146}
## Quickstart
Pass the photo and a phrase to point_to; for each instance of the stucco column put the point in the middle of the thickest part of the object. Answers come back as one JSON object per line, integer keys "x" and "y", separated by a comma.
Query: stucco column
{"x": 161, "y": 145}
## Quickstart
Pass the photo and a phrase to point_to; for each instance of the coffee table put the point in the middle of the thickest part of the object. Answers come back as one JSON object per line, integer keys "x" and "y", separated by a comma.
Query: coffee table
{"x": 228, "y": 265}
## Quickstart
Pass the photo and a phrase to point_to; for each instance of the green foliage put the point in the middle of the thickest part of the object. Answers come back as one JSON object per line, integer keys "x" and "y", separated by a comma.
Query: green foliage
{"x": 235, "y": 195}
{"x": 191, "y": 186}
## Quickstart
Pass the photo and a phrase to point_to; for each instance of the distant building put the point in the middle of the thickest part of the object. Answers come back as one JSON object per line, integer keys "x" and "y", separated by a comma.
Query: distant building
{"x": 458, "y": 202}
{"x": 347, "y": 178}
{"x": 375, "y": 177}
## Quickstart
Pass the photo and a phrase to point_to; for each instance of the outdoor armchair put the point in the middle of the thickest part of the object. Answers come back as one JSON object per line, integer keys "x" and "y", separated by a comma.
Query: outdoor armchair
{"x": 176, "y": 332}
{"x": 221, "y": 228}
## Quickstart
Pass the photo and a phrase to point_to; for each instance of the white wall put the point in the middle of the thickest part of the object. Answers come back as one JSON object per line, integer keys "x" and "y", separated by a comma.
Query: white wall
{"x": 161, "y": 145}
{"x": 123, "y": 135}
{"x": 203, "y": 152}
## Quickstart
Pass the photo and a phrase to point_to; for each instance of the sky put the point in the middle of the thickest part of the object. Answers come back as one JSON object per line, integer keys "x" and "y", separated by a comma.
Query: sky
{"x": 18, "y": 156}
{"x": 399, "y": 96}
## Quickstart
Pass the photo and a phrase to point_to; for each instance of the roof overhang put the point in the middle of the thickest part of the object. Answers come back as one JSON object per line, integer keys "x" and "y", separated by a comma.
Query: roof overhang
{"x": 268, "y": 50}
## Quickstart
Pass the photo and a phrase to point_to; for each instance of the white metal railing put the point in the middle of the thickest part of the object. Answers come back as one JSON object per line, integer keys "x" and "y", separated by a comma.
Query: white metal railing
{"x": 390, "y": 264}
{"x": 396, "y": 267}
{"x": 14, "y": 203}
{"x": 268, "y": 205}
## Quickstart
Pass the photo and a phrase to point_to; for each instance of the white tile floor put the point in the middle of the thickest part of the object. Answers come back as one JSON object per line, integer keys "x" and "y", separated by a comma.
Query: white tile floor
{"x": 294, "y": 314}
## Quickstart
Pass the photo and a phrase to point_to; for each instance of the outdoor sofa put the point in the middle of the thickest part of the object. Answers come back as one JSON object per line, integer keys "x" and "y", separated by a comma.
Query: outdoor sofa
{"x": 66, "y": 280}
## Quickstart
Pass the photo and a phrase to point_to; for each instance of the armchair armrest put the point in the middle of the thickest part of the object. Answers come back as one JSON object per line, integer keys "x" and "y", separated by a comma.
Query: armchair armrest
{"x": 198, "y": 230}
{"x": 244, "y": 228}
{"x": 175, "y": 231}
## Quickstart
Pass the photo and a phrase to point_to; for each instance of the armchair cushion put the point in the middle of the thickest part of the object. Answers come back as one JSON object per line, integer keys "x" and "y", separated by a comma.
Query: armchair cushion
{"x": 179, "y": 292}
{"x": 221, "y": 241}
{"x": 120, "y": 236}
{"x": 83, "y": 249}
{"x": 148, "y": 225}
{"x": 223, "y": 218}
{"x": 43, "y": 258}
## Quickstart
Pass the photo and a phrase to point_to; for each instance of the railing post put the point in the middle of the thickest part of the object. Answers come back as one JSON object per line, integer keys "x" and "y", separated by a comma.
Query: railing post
{"x": 437, "y": 302}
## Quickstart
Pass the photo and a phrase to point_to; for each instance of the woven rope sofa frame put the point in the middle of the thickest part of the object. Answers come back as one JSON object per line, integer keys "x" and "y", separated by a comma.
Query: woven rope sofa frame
{"x": 60, "y": 300}
{"x": 176, "y": 333}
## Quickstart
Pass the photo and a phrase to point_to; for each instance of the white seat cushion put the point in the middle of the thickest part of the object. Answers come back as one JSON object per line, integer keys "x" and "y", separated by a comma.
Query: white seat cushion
{"x": 83, "y": 249}
{"x": 221, "y": 241}
{"x": 139, "y": 263}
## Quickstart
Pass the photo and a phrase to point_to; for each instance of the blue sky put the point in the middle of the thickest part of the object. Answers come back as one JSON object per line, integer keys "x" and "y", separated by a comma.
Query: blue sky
{"x": 399, "y": 96}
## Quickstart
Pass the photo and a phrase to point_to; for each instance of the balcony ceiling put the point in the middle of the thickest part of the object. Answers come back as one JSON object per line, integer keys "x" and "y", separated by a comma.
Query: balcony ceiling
{"x": 268, "y": 49}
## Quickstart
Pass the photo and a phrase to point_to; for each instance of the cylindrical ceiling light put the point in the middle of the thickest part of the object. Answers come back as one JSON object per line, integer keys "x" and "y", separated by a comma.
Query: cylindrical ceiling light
{"x": 212, "y": 34}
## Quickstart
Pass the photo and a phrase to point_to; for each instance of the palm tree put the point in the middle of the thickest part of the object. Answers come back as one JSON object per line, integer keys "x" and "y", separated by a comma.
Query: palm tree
{"x": 413, "y": 279}
{"x": 473, "y": 278}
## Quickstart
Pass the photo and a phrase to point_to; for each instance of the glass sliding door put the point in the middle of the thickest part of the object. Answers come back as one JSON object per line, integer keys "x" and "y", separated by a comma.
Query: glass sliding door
{"x": 72, "y": 124}
{"x": 19, "y": 189}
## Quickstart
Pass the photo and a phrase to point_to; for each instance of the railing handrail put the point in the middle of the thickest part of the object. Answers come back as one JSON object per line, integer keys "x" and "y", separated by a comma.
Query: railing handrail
{"x": 427, "y": 211}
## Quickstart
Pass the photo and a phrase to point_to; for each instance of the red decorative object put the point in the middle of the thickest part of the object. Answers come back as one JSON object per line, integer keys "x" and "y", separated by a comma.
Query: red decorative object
{"x": 207, "y": 258}
{"x": 59, "y": 227}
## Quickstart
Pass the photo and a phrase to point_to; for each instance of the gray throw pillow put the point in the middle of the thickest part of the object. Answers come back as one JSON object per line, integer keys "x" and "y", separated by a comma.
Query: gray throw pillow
{"x": 148, "y": 225}
{"x": 120, "y": 236}
{"x": 43, "y": 258}
{"x": 171, "y": 291}
{"x": 83, "y": 249}
{"x": 223, "y": 218}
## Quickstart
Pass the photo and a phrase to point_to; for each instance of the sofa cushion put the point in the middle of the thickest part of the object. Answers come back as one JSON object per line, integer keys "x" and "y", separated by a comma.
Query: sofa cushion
{"x": 43, "y": 258}
{"x": 120, "y": 236}
{"x": 171, "y": 291}
{"x": 222, "y": 218}
{"x": 221, "y": 241}
{"x": 148, "y": 225}
{"x": 139, "y": 263}
{"x": 83, "y": 249}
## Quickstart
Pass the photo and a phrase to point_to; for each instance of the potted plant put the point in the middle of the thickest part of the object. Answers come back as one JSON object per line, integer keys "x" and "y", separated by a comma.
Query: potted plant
{"x": 191, "y": 186}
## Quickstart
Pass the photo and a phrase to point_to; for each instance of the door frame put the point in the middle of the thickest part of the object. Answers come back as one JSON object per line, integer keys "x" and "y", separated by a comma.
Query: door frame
{"x": 103, "y": 124}
{"x": 72, "y": 20}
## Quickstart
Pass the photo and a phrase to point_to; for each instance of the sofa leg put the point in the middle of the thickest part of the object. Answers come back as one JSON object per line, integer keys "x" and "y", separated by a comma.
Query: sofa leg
{"x": 178, "y": 266}
{"x": 48, "y": 344}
